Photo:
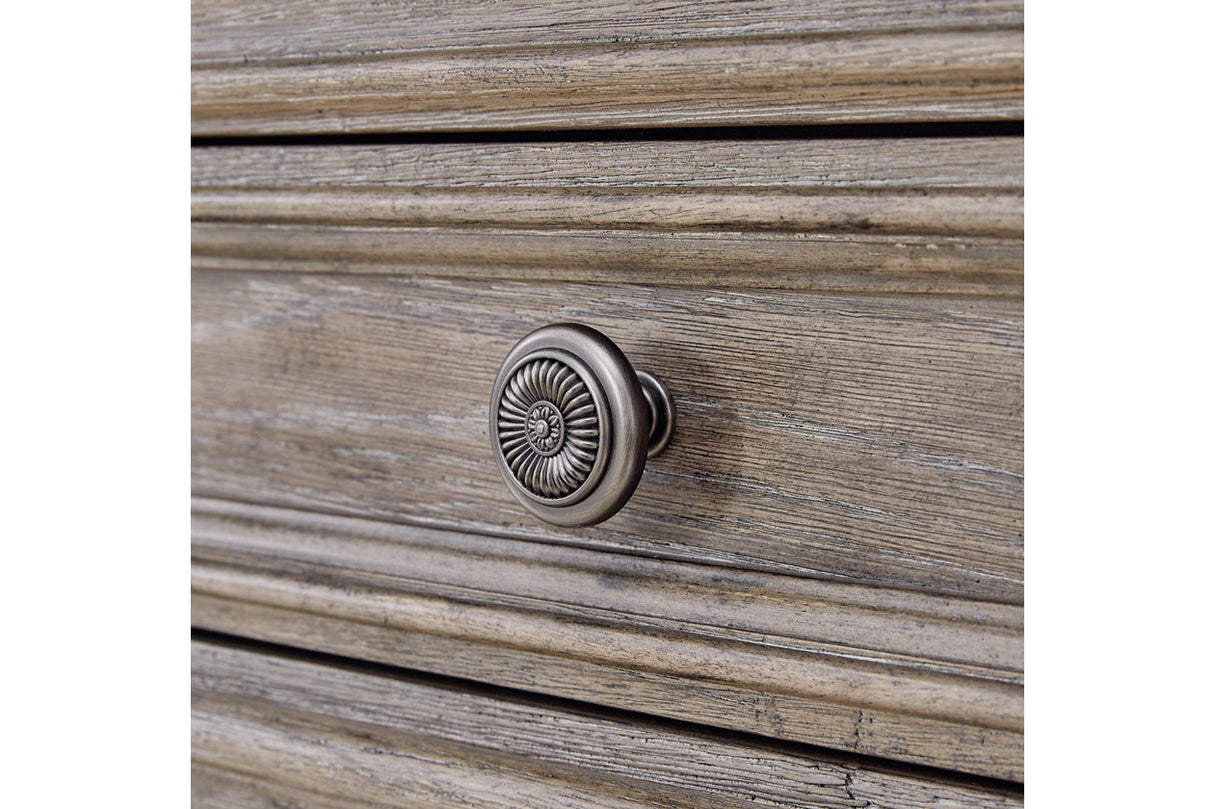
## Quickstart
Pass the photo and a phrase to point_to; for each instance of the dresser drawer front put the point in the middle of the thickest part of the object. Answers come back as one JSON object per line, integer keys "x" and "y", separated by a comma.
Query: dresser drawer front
{"x": 351, "y": 309}
{"x": 829, "y": 551}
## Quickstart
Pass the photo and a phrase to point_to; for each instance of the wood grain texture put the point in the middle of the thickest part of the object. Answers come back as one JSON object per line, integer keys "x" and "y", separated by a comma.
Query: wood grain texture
{"x": 284, "y": 66}
{"x": 920, "y": 215}
{"x": 902, "y": 675}
{"x": 274, "y": 728}
{"x": 863, "y": 438}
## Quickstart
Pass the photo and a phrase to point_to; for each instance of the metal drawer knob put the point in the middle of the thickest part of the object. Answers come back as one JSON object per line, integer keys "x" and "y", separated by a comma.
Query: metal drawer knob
{"x": 572, "y": 423}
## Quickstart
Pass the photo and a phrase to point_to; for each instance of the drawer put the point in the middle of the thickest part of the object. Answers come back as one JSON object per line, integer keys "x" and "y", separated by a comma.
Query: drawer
{"x": 270, "y": 728}
{"x": 831, "y": 549}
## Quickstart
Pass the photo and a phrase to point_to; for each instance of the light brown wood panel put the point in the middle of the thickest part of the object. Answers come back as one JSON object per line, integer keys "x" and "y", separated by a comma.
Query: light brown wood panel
{"x": 897, "y": 674}
{"x": 284, "y": 66}
{"x": 922, "y": 215}
{"x": 863, "y": 438}
{"x": 268, "y": 728}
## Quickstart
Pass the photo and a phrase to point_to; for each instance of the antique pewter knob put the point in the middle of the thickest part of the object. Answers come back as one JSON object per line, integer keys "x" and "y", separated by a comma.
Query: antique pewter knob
{"x": 572, "y": 423}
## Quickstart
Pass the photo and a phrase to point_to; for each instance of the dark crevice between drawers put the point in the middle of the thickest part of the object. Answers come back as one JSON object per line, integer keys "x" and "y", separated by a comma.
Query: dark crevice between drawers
{"x": 548, "y": 702}
{"x": 962, "y": 129}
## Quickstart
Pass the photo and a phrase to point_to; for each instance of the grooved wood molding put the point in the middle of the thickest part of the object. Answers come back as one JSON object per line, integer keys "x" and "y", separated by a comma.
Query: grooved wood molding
{"x": 292, "y": 66}
{"x": 815, "y": 595}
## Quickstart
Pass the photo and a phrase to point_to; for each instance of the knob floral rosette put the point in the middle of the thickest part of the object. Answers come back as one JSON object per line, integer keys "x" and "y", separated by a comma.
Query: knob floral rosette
{"x": 548, "y": 428}
{"x": 571, "y": 424}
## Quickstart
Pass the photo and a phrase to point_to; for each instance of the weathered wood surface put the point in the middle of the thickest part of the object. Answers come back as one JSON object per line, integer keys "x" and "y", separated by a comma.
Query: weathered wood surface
{"x": 916, "y": 215}
{"x": 864, "y": 438}
{"x": 304, "y": 66}
{"x": 274, "y": 728}
{"x": 902, "y": 675}
{"x": 920, "y": 166}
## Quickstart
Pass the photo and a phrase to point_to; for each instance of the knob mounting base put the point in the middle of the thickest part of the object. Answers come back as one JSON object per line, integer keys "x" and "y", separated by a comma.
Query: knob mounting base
{"x": 661, "y": 413}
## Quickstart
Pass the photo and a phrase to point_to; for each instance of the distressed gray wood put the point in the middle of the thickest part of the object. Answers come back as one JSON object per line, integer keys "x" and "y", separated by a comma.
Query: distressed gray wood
{"x": 921, "y": 215}
{"x": 284, "y": 66}
{"x": 863, "y": 438}
{"x": 890, "y": 673}
{"x": 900, "y": 166}
{"x": 273, "y": 728}
{"x": 233, "y": 30}
{"x": 830, "y": 552}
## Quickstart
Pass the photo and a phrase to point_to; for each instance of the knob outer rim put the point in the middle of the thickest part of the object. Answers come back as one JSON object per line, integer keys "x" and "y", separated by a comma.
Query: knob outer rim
{"x": 626, "y": 421}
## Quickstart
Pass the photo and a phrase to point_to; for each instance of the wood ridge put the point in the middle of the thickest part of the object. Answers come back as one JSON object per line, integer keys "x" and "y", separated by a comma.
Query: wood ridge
{"x": 592, "y": 44}
{"x": 928, "y": 215}
{"x": 965, "y": 212}
{"x": 283, "y": 27}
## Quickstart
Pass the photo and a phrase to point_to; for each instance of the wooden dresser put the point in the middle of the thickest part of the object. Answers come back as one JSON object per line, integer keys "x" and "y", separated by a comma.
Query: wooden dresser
{"x": 807, "y": 219}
